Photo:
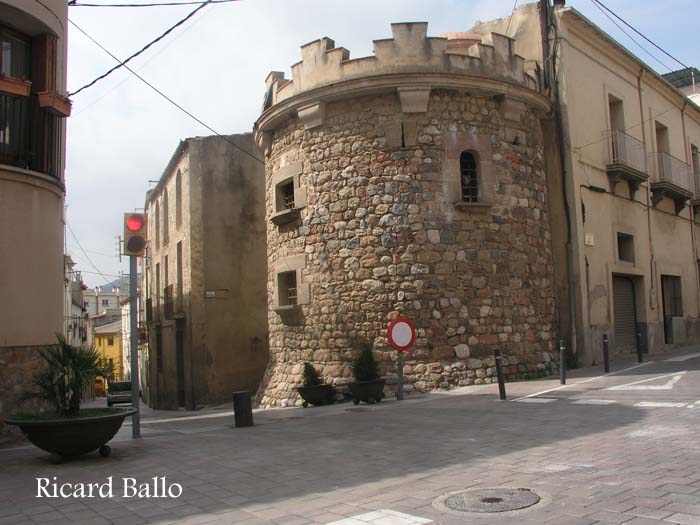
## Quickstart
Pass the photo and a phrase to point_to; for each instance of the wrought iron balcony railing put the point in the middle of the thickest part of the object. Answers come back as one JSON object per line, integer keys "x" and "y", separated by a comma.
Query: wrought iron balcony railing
{"x": 671, "y": 170}
{"x": 625, "y": 150}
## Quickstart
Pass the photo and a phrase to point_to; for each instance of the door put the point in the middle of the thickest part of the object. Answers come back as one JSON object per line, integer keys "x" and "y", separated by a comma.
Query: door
{"x": 625, "y": 315}
{"x": 672, "y": 300}
{"x": 180, "y": 363}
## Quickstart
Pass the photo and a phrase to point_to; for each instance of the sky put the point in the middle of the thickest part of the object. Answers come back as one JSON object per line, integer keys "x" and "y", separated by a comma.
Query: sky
{"x": 121, "y": 134}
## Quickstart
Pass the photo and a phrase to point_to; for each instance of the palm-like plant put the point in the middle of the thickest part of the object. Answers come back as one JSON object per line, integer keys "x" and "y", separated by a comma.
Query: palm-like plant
{"x": 68, "y": 370}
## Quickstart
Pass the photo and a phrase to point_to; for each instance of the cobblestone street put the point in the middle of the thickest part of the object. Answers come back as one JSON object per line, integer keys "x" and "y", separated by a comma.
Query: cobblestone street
{"x": 616, "y": 449}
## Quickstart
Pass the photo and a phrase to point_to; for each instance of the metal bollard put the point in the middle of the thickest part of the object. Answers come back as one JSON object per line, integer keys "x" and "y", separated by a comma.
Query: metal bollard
{"x": 639, "y": 347}
{"x": 499, "y": 374}
{"x": 242, "y": 409}
{"x": 562, "y": 362}
{"x": 606, "y": 354}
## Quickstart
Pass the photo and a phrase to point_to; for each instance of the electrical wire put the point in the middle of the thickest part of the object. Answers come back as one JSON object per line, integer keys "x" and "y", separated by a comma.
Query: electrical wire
{"x": 74, "y": 3}
{"x": 178, "y": 106}
{"x": 104, "y": 95}
{"x": 86, "y": 255}
{"x": 144, "y": 48}
{"x": 640, "y": 34}
{"x": 598, "y": 5}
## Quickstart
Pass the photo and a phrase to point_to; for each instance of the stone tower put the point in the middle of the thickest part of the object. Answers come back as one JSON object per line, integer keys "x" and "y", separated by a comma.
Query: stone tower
{"x": 406, "y": 183}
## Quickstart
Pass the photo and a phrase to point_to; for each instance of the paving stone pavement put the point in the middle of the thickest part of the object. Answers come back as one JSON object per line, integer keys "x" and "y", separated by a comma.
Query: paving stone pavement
{"x": 590, "y": 463}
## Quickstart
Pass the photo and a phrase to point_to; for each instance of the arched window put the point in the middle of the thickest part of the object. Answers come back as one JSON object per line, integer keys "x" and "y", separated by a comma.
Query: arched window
{"x": 166, "y": 216}
{"x": 157, "y": 228}
{"x": 469, "y": 177}
{"x": 178, "y": 199}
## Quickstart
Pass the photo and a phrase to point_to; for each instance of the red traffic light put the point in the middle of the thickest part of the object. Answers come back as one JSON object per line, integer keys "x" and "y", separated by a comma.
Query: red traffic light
{"x": 135, "y": 222}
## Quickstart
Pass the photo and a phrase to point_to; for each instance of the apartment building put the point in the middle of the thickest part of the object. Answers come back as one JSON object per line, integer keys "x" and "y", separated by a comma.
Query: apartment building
{"x": 204, "y": 275}
{"x": 623, "y": 175}
{"x": 33, "y": 108}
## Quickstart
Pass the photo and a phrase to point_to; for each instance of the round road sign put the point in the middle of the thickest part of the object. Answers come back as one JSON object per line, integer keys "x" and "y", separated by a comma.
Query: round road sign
{"x": 401, "y": 334}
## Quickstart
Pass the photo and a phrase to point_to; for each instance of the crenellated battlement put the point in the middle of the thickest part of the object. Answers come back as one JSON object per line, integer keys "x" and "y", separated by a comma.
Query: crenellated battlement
{"x": 410, "y": 51}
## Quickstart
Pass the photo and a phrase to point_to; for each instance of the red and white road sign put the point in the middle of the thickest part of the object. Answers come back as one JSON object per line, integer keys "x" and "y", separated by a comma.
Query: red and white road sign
{"x": 401, "y": 334}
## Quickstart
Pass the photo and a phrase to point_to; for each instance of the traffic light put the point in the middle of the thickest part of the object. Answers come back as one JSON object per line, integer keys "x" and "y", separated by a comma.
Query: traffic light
{"x": 135, "y": 234}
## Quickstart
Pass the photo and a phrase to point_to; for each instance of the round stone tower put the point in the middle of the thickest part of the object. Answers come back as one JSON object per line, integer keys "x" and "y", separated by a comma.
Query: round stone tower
{"x": 406, "y": 183}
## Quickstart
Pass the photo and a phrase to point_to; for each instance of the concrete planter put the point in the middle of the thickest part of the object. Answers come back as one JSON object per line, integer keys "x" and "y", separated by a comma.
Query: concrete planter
{"x": 72, "y": 437}
{"x": 367, "y": 391}
{"x": 316, "y": 395}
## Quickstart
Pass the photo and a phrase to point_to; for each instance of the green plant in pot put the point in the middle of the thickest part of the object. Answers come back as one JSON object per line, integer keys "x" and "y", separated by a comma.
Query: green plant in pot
{"x": 368, "y": 385}
{"x": 314, "y": 392}
{"x": 62, "y": 428}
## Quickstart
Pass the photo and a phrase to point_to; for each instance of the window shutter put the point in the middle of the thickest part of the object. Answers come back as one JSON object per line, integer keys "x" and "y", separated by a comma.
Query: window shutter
{"x": 44, "y": 56}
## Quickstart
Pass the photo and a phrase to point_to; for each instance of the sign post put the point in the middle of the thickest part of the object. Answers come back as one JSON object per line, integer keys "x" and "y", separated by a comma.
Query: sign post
{"x": 401, "y": 335}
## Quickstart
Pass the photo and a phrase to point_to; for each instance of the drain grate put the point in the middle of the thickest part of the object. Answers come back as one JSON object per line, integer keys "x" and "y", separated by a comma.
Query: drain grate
{"x": 491, "y": 500}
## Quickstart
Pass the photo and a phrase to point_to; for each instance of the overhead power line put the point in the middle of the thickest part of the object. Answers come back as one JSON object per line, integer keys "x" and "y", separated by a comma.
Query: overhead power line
{"x": 640, "y": 34}
{"x": 74, "y": 3}
{"x": 600, "y": 7}
{"x": 144, "y": 48}
{"x": 166, "y": 97}
{"x": 85, "y": 253}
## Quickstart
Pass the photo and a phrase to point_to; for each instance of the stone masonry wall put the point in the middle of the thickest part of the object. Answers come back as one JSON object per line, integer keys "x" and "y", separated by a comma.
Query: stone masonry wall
{"x": 381, "y": 238}
{"x": 18, "y": 364}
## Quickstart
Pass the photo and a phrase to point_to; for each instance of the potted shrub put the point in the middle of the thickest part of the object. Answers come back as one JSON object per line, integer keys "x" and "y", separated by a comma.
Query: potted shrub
{"x": 368, "y": 385}
{"x": 314, "y": 392}
{"x": 62, "y": 428}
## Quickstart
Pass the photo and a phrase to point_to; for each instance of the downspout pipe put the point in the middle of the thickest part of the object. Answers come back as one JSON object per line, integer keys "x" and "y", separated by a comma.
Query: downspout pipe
{"x": 559, "y": 123}
{"x": 652, "y": 269}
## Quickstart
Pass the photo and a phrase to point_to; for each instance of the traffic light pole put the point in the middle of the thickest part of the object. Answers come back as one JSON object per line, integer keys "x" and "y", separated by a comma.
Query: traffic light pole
{"x": 134, "y": 347}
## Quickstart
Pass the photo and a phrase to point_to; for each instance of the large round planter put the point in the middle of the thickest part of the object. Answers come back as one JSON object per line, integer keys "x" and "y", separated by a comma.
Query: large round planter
{"x": 72, "y": 437}
{"x": 367, "y": 391}
{"x": 316, "y": 395}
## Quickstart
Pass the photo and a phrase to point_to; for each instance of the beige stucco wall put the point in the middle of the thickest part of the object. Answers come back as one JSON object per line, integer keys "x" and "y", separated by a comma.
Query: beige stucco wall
{"x": 223, "y": 245}
{"x": 31, "y": 240}
{"x": 592, "y": 67}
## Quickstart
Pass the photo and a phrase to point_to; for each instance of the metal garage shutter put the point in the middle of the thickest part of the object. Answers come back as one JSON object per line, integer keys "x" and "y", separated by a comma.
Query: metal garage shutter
{"x": 625, "y": 320}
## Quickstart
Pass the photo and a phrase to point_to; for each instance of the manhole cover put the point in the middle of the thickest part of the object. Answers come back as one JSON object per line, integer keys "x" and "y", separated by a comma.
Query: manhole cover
{"x": 491, "y": 500}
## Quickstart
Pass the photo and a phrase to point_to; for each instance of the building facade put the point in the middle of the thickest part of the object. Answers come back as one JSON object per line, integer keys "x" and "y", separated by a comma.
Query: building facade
{"x": 411, "y": 183}
{"x": 75, "y": 325}
{"x": 624, "y": 170}
{"x": 205, "y": 274}
{"x": 108, "y": 344}
{"x": 32, "y": 153}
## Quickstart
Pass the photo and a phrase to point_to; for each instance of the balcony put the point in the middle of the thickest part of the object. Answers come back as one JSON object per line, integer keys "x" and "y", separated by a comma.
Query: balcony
{"x": 627, "y": 160}
{"x": 672, "y": 178}
{"x": 172, "y": 303}
{"x": 30, "y": 137}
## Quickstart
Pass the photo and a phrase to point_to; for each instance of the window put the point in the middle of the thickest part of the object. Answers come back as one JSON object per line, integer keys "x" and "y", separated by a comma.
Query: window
{"x": 157, "y": 225}
{"x": 285, "y": 195}
{"x": 695, "y": 161}
{"x": 469, "y": 177}
{"x": 166, "y": 216}
{"x": 178, "y": 276}
{"x": 287, "y": 286}
{"x": 625, "y": 247}
{"x": 110, "y": 341}
{"x": 105, "y": 302}
{"x": 157, "y": 293}
{"x": 15, "y": 57}
{"x": 178, "y": 199}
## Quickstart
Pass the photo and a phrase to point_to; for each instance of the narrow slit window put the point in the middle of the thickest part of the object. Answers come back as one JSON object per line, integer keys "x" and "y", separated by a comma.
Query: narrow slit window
{"x": 288, "y": 195}
{"x": 288, "y": 288}
{"x": 469, "y": 177}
